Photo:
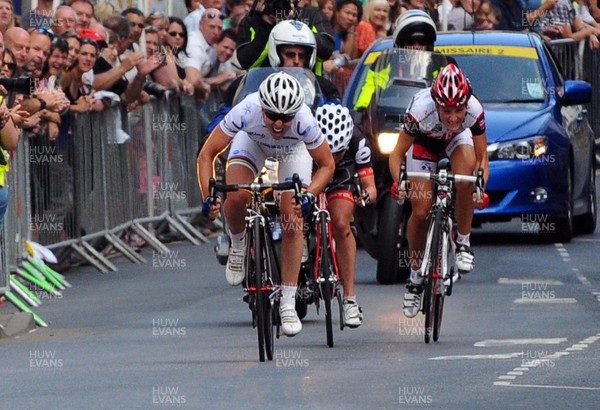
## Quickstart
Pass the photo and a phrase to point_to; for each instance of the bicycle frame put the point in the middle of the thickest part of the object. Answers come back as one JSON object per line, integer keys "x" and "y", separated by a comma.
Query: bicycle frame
{"x": 261, "y": 265}
{"x": 437, "y": 264}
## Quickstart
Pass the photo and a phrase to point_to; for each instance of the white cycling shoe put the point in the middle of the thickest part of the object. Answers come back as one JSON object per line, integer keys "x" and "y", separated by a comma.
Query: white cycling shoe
{"x": 234, "y": 271}
{"x": 465, "y": 259}
{"x": 352, "y": 314}
{"x": 290, "y": 323}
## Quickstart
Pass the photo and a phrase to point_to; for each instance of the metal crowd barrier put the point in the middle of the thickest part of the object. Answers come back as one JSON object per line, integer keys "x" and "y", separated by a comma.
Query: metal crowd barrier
{"x": 85, "y": 196}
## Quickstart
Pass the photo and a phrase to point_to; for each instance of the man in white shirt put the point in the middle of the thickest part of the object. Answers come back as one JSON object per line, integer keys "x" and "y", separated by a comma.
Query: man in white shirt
{"x": 202, "y": 55}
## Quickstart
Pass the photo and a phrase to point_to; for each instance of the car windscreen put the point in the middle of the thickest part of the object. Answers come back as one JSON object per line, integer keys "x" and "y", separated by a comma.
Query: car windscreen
{"x": 384, "y": 75}
{"x": 501, "y": 74}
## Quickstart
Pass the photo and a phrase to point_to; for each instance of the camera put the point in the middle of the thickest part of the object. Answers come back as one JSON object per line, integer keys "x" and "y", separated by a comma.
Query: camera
{"x": 21, "y": 85}
{"x": 278, "y": 8}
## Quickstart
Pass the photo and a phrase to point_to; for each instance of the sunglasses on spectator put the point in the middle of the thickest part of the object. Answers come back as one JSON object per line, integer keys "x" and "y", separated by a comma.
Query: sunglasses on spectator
{"x": 275, "y": 116}
{"x": 10, "y": 66}
{"x": 293, "y": 54}
{"x": 215, "y": 15}
{"x": 138, "y": 25}
{"x": 43, "y": 30}
{"x": 176, "y": 34}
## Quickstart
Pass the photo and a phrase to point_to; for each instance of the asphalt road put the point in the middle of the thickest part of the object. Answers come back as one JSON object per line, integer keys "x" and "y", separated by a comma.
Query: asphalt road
{"x": 522, "y": 331}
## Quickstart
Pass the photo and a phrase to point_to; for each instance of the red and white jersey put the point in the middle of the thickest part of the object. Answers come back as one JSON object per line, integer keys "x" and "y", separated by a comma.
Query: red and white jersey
{"x": 423, "y": 121}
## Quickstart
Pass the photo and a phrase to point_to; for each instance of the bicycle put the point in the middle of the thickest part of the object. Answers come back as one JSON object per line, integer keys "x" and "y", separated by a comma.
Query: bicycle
{"x": 438, "y": 262}
{"x": 326, "y": 273}
{"x": 262, "y": 268}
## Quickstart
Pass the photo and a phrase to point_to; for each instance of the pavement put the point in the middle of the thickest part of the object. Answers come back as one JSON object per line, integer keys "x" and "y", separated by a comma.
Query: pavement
{"x": 13, "y": 324}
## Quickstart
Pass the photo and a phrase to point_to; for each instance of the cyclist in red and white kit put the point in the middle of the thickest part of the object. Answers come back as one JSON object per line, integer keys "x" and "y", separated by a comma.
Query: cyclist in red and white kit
{"x": 446, "y": 118}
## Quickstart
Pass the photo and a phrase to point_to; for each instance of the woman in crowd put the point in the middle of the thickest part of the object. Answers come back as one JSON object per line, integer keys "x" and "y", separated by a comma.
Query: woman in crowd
{"x": 78, "y": 93}
{"x": 177, "y": 38}
{"x": 7, "y": 15}
{"x": 50, "y": 80}
{"x": 9, "y": 65}
{"x": 395, "y": 11}
{"x": 161, "y": 23}
{"x": 166, "y": 75}
{"x": 373, "y": 26}
{"x": 327, "y": 7}
{"x": 74, "y": 45}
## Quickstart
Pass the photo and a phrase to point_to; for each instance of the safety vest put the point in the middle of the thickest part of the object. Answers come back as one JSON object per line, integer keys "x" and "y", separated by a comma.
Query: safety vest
{"x": 5, "y": 167}
{"x": 373, "y": 80}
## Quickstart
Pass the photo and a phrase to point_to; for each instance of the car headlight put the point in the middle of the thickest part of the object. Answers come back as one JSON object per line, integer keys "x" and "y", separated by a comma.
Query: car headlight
{"x": 527, "y": 148}
{"x": 387, "y": 141}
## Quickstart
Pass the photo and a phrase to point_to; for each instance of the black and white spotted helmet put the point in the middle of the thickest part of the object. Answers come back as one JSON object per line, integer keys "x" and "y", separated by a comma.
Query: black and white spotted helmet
{"x": 336, "y": 126}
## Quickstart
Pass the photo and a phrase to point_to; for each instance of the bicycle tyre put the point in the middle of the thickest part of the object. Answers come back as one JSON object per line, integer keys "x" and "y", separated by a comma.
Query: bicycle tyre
{"x": 260, "y": 301}
{"x": 325, "y": 266}
{"x": 268, "y": 329}
{"x": 440, "y": 295}
{"x": 429, "y": 301}
{"x": 437, "y": 322}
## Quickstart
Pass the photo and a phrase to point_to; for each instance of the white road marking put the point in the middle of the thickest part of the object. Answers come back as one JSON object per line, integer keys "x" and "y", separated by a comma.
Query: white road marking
{"x": 586, "y": 240}
{"x": 508, "y": 281}
{"x": 546, "y": 300}
{"x": 513, "y": 342}
{"x": 500, "y": 383}
{"x": 546, "y": 362}
{"x": 479, "y": 356}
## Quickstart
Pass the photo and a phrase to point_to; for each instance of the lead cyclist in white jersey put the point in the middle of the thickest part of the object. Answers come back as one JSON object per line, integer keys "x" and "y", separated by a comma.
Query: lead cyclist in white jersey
{"x": 445, "y": 118}
{"x": 273, "y": 122}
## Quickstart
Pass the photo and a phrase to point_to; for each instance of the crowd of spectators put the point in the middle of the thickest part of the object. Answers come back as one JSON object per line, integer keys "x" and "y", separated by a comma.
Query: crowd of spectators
{"x": 82, "y": 47}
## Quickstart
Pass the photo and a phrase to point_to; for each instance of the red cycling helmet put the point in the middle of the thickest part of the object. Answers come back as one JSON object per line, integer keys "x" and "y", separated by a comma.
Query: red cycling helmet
{"x": 451, "y": 88}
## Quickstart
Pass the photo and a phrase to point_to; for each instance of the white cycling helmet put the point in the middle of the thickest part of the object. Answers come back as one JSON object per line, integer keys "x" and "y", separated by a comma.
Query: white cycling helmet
{"x": 281, "y": 93}
{"x": 336, "y": 126}
{"x": 292, "y": 33}
{"x": 415, "y": 25}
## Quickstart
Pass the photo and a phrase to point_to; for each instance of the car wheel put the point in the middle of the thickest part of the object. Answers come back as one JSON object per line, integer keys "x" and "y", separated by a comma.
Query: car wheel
{"x": 388, "y": 242}
{"x": 561, "y": 228}
{"x": 586, "y": 223}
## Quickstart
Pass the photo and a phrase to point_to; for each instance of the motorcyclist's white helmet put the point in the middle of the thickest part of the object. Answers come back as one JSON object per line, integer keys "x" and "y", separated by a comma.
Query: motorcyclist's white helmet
{"x": 281, "y": 93}
{"x": 414, "y": 25}
{"x": 336, "y": 126}
{"x": 293, "y": 33}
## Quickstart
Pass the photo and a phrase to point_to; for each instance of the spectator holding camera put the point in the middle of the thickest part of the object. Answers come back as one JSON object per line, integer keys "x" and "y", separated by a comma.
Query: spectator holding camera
{"x": 254, "y": 30}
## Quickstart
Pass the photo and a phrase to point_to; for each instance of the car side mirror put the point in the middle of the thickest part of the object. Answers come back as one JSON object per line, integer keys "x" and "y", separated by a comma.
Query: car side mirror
{"x": 576, "y": 92}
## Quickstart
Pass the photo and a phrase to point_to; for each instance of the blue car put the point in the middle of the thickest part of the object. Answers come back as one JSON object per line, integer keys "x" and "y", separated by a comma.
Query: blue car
{"x": 540, "y": 143}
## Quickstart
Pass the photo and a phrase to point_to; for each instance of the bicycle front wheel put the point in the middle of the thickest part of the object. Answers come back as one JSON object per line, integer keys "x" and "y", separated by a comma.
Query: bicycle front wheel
{"x": 430, "y": 300}
{"x": 325, "y": 267}
{"x": 261, "y": 305}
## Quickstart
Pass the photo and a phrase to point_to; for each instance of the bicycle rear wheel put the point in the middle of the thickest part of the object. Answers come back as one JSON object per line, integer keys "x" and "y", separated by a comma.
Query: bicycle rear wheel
{"x": 430, "y": 300}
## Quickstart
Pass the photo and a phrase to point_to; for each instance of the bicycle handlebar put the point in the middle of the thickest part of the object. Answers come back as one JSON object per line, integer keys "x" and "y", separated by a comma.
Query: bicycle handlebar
{"x": 436, "y": 177}
{"x": 294, "y": 184}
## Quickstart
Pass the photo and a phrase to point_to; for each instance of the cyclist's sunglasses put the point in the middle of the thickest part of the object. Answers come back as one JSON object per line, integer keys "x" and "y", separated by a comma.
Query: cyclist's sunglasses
{"x": 215, "y": 15}
{"x": 275, "y": 116}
